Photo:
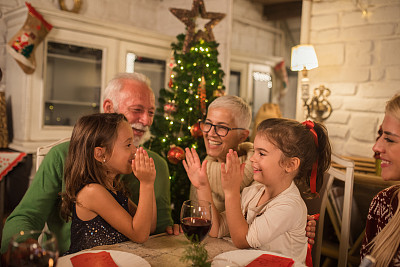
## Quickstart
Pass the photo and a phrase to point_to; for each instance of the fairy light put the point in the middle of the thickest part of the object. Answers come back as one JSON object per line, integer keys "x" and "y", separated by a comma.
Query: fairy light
{"x": 181, "y": 67}
{"x": 179, "y": 61}
{"x": 185, "y": 90}
{"x": 207, "y": 65}
{"x": 214, "y": 72}
{"x": 172, "y": 76}
{"x": 190, "y": 84}
{"x": 194, "y": 64}
{"x": 182, "y": 120}
{"x": 199, "y": 79}
{"x": 179, "y": 139}
{"x": 167, "y": 118}
{"x": 164, "y": 140}
{"x": 208, "y": 55}
{"x": 190, "y": 109}
{"x": 197, "y": 96}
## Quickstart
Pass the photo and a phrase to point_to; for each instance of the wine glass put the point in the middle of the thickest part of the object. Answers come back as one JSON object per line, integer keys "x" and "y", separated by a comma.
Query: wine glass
{"x": 33, "y": 248}
{"x": 196, "y": 219}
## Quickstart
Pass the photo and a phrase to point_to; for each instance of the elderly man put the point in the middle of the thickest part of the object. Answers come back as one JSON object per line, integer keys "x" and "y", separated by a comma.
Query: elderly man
{"x": 131, "y": 95}
{"x": 227, "y": 127}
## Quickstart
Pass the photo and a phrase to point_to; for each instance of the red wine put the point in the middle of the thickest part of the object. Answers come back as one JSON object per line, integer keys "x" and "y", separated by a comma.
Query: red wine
{"x": 196, "y": 229}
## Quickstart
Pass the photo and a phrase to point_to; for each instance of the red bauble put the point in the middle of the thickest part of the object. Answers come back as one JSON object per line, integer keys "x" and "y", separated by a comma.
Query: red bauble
{"x": 176, "y": 154}
{"x": 196, "y": 131}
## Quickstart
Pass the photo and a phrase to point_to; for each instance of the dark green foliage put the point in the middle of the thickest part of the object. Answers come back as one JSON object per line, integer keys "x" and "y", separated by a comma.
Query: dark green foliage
{"x": 173, "y": 128}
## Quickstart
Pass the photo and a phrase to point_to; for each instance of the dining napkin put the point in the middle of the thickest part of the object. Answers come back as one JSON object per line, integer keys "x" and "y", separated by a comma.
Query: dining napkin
{"x": 98, "y": 259}
{"x": 271, "y": 261}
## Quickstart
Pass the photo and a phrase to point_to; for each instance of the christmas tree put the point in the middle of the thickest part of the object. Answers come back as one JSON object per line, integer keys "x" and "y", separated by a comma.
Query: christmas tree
{"x": 195, "y": 80}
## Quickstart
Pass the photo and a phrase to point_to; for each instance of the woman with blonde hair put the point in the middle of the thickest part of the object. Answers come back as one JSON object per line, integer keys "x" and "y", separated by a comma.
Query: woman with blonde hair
{"x": 382, "y": 236}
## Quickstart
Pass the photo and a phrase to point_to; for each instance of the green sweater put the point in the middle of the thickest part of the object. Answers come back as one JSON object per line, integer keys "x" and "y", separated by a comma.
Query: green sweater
{"x": 42, "y": 200}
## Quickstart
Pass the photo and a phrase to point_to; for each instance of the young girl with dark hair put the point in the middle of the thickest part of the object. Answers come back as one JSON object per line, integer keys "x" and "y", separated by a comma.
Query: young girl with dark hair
{"x": 101, "y": 149}
{"x": 270, "y": 214}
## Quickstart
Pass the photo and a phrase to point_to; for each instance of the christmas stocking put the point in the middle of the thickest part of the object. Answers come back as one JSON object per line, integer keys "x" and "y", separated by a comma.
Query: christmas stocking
{"x": 23, "y": 45}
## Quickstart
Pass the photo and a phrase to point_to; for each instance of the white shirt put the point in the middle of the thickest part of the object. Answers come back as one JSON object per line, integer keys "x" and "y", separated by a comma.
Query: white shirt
{"x": 278, "y": 225}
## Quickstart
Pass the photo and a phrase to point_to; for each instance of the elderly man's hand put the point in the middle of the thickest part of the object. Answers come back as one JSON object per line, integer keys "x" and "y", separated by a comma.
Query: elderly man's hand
{"x": 175, "y": 229}
{"x": 310, "y": 228}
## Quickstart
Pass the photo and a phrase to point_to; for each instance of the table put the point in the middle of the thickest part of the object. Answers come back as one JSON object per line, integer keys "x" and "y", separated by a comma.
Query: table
{"x": 166, "y": 250}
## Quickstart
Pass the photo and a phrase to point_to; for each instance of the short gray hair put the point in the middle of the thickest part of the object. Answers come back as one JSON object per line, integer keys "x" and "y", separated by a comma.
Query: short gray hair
{"x": 238, "y": 107}
{"x": 117, "y": 83}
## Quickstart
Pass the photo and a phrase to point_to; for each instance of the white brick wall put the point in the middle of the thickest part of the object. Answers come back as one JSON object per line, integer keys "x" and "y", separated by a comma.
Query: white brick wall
{"x": 360, "y": 62}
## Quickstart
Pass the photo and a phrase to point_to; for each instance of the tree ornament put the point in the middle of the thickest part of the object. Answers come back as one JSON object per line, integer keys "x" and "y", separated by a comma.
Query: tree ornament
{"x": 195, "y": 130}
{"x": 188, "y": 17}
{"x": 201, "y": 90}
{"x": 175, "y": 154}
{"x": 218, "y": 92}
{"x": 170, "y": 107}
{"x": 23, "y": 44}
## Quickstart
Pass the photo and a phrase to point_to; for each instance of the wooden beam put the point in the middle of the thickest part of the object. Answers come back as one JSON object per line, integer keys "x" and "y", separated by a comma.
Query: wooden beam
{"x": 282, "y": 11}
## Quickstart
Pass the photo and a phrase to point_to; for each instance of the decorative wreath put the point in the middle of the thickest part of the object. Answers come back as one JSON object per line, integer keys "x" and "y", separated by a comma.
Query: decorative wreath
{"x": 75, "y": 9}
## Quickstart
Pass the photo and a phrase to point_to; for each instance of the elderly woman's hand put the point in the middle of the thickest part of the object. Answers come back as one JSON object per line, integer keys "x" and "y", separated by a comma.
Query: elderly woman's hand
{"x": 196, "y": 171}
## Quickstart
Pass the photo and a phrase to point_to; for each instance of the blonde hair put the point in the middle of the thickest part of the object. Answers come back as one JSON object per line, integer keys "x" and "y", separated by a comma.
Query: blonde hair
{"x": 385, "y": 244}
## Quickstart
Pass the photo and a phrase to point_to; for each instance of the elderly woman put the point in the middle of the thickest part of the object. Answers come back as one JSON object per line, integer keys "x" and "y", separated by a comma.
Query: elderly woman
{"x": 382, "y": 235}
{"x": 227, "y": 127}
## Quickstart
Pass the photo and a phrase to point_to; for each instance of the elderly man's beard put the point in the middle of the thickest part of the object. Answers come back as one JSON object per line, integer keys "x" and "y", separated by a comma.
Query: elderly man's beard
{"x": 139, "y": 140}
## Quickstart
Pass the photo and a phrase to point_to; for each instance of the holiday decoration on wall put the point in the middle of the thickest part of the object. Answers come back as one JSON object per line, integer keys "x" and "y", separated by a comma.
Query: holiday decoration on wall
{"x": 196, "y": 74}
{"x": 77, "y": 6}
{"x": 23, "y": 44}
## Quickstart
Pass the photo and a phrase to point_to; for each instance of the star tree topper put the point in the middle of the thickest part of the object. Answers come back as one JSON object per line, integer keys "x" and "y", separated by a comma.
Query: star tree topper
{"x": 188, "y": 17}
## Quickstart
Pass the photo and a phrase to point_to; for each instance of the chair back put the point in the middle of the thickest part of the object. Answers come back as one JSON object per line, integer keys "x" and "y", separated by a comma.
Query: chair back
{"x": 42, "y": 151}
{"x": 344, "y": 217}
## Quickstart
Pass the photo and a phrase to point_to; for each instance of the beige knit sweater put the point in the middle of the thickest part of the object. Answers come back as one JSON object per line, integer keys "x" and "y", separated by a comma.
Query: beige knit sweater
{"x": 245, "y": 151}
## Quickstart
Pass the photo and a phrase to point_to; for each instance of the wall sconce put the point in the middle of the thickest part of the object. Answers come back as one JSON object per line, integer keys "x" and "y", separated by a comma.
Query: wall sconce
{"x": 304, "y": 58}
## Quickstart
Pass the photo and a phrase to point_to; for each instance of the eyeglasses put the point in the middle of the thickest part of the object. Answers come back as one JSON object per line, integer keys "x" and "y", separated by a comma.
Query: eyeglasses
{"x": 220, "y": 130}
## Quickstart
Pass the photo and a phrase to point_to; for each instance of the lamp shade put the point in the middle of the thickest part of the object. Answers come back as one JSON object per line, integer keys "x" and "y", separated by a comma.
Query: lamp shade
{"x": 303, "y": 56}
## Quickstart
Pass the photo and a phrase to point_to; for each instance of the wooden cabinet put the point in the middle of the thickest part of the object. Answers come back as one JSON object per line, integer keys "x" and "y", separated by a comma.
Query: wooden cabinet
{"x": 74, "y": 63}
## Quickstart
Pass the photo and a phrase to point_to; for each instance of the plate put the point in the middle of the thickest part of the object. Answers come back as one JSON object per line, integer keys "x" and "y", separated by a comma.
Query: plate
{"x": 242, "y": 257}
{"x": 121, "y": 258}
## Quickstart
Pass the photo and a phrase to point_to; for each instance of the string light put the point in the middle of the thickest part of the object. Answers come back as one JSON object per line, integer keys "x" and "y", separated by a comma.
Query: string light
{"x": 190, "y": 109}
{"x": 171, "y": 122}
{"x": 172, "y": 76}
{"x": 179, "y": 139}
{"x": 182, "y": 120}
{"x": 194, "y": 64}
{"x": 199, "y": 79}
